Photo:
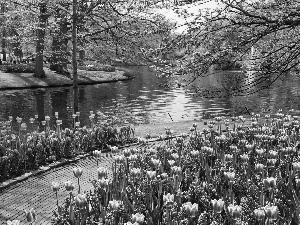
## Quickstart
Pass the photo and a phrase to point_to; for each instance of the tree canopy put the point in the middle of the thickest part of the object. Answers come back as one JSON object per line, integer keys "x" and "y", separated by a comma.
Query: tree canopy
{"x": 261, "y": 35}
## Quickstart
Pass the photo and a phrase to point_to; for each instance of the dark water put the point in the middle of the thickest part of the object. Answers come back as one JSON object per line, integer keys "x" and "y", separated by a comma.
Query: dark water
{"x": 148, "y": 99}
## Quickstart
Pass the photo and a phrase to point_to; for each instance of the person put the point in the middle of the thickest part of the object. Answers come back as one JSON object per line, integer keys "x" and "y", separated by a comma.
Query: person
{"x": 0, "y": 61}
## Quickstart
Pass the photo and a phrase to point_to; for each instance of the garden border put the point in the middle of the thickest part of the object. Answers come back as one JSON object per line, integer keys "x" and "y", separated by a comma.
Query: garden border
{"x": 6, "y": 184}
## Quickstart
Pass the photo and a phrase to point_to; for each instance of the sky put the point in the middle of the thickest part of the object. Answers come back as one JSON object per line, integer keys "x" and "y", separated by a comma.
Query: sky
{"x": 171, "y": 15}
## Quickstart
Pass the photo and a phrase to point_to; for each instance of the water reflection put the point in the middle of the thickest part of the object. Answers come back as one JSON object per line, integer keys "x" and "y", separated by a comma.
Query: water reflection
{"x": 148, "y": 100}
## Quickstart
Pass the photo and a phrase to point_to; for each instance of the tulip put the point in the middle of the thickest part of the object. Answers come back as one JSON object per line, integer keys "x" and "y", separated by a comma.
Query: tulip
{"x": 114, "y": 205}
{"x": 228, "y": 157}
{"x": 269, "y": 183}
{"x": 273, "y": 154}
{"x": 217, "y": 205}
{"x": 260, "y": 152}
{"x": 259, "y": 214}
{"x": 156, "y": 163}
{"x": 171, "y": 162}
{"x": 151, "y": 174}
{"x": 245, "y": 158}
{"x": 126, "y": 152}
{"x": 168, "y": 199}
{"x": 55, "y": 186}
{"x": 77, "y": 172}
{"x": 80, "y": 201}
{"x": 104, "y": 184}
{"x": 136, "y": 173}
{"x": 133, "y": 158}
{"x": 230, "y": 176}
{"x": 14, "y": 222}
{"x": 296, "y": 166}
{"x": 102, "y": 172}
{"x": 271, "y": 162}
{"x": 138, "y": 218}
{"x": 195, "y": 154}
{"x": 69, "y": 186}
{"x": 271, "y": 212}
{"x": 235, "y": 211}
{"x": 30, "y": 215}
{"x": 119, "y": 159}
{"x": 175, "y": 156}
{"x": 259, "y": 167}
{"x": 190, "y": 209}
{"x": 176, "y": 170}
{"x": 97, "y": 154}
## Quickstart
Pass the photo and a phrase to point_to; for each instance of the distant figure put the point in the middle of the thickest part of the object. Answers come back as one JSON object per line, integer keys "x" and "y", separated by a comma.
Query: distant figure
{"x": 0, "y": 61}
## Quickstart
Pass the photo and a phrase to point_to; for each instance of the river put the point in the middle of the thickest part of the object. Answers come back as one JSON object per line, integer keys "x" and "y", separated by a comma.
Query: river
{"x": 149, "y": 99}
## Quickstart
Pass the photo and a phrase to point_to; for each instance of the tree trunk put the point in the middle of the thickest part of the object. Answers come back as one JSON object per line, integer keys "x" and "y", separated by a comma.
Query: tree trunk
{"x": 41, "y": 30}
{"x": 3, "y": 34}
{"x": 74, "y": 39}
{"x": 59, "y": 49}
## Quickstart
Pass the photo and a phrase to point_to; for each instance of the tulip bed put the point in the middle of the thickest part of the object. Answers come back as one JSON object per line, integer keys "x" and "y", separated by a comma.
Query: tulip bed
{"x": 27, "y": 146}
{"x": 244, "y": 175}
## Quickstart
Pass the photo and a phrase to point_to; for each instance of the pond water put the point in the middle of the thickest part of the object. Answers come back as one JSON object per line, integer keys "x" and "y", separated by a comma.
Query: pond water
{"x": 148, "y": 99}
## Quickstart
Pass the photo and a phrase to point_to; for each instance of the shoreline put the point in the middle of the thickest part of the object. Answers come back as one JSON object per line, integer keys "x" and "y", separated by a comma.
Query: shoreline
{"x": 9, "y": 81}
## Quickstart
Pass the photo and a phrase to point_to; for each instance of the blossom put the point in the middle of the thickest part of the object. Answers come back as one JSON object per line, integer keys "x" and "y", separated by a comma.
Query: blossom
{"x": 104, "y": 183}
{"x": 138, "y": 218}
{"x": 156, "y": 163}
{"x": 168, "y": 199}
{"x": 97, "y": 154}
{"x": 271, "y": 212}
{"x": 102, "y": 172}
{"x": 269, "y": 183}
{"x": 114, "y": 204}
{"x": 136, "y": 173}
{"x": 190, "y": 209}
{"x": 259, "y": 214}
{"x": 151, "y": 174}
{"x": 77, "y": 172}
{"x": 235, "y": 211}
{"x": 296, "y": 166}
{"x": 80, "y": 201}
{"x": 69, "y": 186}
{"x": 217, "y": 205}
{"x": 55, "y": 186}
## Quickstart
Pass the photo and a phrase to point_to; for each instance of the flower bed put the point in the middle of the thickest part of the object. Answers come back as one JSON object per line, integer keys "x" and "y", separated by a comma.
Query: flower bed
{"x": 26, "y": 147}
{"x": 247, "y": 175}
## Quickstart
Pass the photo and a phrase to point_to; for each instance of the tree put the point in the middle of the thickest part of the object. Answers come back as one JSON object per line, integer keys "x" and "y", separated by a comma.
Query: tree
{"x": 231, "y": 30}
{"x": 41, "y": 31}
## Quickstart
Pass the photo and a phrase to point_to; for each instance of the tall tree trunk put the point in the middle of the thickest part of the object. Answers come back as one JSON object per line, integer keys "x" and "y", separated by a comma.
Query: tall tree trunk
{"x": 74, "y": 40}
{"x": 59, "y": 49}
{"x": 40, "y": 45}
{"x": 3, "y": 34}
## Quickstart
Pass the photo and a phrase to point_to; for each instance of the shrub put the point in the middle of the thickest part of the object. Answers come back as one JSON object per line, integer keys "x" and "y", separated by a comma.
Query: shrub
{"x": 19, "y": 68}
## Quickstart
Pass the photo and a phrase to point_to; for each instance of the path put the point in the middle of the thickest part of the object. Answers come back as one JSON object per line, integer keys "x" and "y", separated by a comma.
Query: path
{"x": 36, "y": 192}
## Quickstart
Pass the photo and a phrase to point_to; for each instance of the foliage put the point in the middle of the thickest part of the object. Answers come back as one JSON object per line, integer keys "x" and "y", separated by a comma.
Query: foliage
{"x": 259, "y": 35}
{"x": 18, "y": 68}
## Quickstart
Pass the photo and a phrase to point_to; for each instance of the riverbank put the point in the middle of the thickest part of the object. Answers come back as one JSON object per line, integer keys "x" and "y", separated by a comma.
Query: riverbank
{"x": 52, "y": 79}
